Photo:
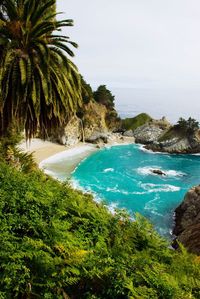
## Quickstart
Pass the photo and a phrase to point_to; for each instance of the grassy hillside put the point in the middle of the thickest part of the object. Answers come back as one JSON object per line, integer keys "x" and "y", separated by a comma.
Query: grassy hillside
{"x": 135, "y": 122}
{"x": 58, "y": 243}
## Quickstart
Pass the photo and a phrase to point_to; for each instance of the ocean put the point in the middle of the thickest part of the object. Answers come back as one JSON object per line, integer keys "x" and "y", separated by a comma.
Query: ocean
{"x": 172, "y": 103}
{"x": 122, "y": 177}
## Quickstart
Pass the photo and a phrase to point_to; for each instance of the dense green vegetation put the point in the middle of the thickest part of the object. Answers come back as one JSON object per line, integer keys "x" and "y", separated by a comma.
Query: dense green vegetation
{"x": 183, "y": 128}
{"x": 39, "y": 85}
{"x": 189, "y": 126}
{"x": 135, "y": 122}
{"x": 87, "y": 93}
{"x": 104, "y": 96}
{"x": 59, "y": 243}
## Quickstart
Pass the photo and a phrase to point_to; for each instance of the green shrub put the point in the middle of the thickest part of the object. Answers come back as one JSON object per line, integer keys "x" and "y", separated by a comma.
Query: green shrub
{"x": 58, "y": 243}
{"x": 135, "y": 122}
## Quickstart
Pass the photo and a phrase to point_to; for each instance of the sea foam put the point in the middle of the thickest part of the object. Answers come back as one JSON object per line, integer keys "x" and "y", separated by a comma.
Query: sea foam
{"x": 148, "y": 170}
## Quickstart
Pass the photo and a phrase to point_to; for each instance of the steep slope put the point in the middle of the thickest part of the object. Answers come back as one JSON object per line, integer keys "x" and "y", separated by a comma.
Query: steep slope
{"x": 187, "y": 221}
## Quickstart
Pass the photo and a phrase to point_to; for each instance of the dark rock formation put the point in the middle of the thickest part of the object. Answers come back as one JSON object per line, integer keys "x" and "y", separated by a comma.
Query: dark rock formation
{"x": 187, "y": 221}
{"x": 157, "y": 171}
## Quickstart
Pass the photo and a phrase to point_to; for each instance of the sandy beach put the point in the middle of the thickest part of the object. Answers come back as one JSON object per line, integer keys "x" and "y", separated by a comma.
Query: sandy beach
{"x": 55, "y": 158}
{"x": 42, "y": 150}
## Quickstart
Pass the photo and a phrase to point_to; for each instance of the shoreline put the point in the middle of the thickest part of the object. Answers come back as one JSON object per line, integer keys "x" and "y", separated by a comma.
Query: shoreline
{"x": 52, "y": 157}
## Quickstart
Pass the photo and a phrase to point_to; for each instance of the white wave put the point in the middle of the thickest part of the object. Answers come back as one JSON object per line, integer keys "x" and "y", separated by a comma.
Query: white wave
{"x": 151, "y": 206}
{"x": 174, "y": 173}
{"x": 115, "y": 190}
{"x": 50, "y": 173}
{"x": 142, "y": 148}
{"x": 112, "y": 207}
{"x": 149, "y": 171}
{"x": 108, "y": 170}
{"x": 159, "y": 188}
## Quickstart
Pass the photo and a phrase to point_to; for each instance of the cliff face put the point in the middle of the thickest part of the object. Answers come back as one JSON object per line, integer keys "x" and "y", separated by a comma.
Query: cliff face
{"x": 148, "y": 133}
{"x": 177, "y": 144}
{"x": 187, "y": 221}
{"x": 151, "y": 131}
{"x": 161, "y": 136}
{"x": 94, "y": 122}
{"x": 94, "y": 119}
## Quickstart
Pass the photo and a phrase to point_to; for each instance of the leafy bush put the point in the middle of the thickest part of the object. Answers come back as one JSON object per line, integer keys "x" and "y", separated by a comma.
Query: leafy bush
{"x": 189, "y": 126}
{"x": 10, "y": 153}
{"x": 59, "y": 243}
{"x": 135, "y": 122}
{"x": 104, "y": 96}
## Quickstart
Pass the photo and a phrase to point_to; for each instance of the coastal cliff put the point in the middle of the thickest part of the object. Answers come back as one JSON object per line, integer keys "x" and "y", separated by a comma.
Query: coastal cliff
{"x": 91, "y": 125}
{"x": 187, "y": 221}
{"x": 93, "y": 121}
{"x": 177, "y": 143}
{"x": 161, "y": 136}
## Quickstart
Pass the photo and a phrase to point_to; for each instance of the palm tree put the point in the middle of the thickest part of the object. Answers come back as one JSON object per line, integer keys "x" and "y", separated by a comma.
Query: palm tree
{"x": 40, "y": 87}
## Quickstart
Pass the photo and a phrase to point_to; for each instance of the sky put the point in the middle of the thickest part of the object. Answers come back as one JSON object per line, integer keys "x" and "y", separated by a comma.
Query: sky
{"x": 136, "y": 43}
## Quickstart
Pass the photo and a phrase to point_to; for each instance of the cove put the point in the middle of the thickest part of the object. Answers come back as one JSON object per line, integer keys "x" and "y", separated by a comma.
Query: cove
{"x": 122, "y": 177}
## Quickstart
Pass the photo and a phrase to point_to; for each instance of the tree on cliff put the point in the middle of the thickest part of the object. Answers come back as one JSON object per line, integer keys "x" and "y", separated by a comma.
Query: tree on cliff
{"x": 39, "y": 85}
{"x": 104, "y": 96}
{"x": 189, "y": 126}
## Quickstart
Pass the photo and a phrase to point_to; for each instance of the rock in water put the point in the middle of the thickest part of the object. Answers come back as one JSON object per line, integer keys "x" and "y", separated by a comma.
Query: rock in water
{"x": 158, "y": 171}
{"x": 187, "y": 221}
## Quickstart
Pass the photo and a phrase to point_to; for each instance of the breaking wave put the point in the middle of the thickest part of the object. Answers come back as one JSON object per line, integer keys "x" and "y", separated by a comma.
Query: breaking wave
{"x": 147, "y": 170}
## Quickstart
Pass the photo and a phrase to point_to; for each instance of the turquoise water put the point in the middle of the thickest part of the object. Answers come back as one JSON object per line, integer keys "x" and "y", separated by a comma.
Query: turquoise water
{"x": 122, "y": 177}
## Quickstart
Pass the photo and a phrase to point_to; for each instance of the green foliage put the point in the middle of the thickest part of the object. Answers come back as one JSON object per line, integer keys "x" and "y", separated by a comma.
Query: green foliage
{"x": 104, "y": 96}
{"x": 10, "y": 153}
{"x": 59, "y": 243}
{"x": 87, "y": 93}
{"x": 40, "y": 87}
{"x": 189, "y": 126}
{"x": 135, "y": 122}
{"x": 183, "y": 128}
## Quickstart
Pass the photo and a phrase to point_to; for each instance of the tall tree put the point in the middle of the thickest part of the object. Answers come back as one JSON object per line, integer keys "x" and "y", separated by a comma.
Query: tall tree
{"x": 39, "y": 85}
{"x": 104, "y": 96}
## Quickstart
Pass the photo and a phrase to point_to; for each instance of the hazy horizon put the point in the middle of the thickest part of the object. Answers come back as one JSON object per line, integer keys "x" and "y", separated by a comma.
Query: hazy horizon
{"x": 138, "y": 44}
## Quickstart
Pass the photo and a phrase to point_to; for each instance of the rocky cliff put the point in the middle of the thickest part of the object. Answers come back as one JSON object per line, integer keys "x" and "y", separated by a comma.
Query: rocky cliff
{"x": 175, "y": 141}
{"x": 91, "y": 124}
{"x": 151, "y": 131}
{"x": 161, "y": 136}
{"x": 187, "y": 221}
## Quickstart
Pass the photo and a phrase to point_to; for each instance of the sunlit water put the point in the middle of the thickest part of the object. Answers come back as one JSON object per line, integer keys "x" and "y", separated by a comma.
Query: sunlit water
{"x": 122, "y": 177}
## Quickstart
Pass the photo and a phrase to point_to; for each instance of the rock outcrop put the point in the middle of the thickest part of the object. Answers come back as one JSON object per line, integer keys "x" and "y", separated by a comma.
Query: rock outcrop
{"x": 91, "y": 126}
{"x": 158, "y": 172}
{"x": 94, "y": 120}
{"x": 128, "y": 133}
{"x": 187, "y": 221}
{"x": 148, "y": 133}
{"x": 177, "y": 144}
{"x": 151, "y": 131}
{"x": 71, "y": 134}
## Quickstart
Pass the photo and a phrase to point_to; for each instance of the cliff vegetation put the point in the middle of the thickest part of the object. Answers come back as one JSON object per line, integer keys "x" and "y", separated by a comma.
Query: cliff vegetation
{"x": 59, "y": 243}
